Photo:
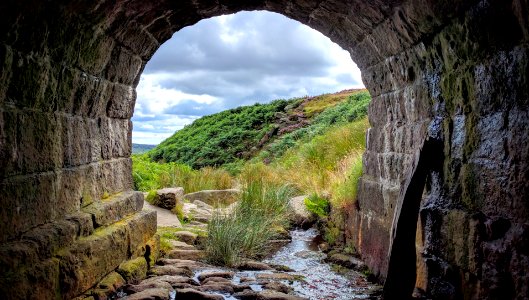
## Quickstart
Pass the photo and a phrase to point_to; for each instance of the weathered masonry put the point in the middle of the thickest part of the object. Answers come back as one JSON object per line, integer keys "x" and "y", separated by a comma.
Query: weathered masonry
{"x": 445, "y": 192}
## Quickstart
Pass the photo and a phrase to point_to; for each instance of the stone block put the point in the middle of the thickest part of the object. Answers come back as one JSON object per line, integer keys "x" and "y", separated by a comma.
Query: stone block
{"x": 6, "y": 61}
{"x": 91, "y": 258}
{"x": 9, "y": 164}
{"x": 134, "y": 36}
{"x": 91, "y": 95}
{"x": 28, "y": 82}
{"x": 124, "y": 66}
{"x": 38, "y": 142}
{"x": 36, "y": 281}
{"x": 115, "y": 175}
{"x": 83, "y": 223}
{"x": 81, "y": 141}
{"x": 134, "y": 270}
{"x": 121, "y": 102}
{"x": 152, "y": 250}
{"x": 52, "y": 236}
{"x": 143, "y": 228}
{"x": 26, "y": 202}
{"x": 116, "y": 137}
{"x": 114, "y": 208}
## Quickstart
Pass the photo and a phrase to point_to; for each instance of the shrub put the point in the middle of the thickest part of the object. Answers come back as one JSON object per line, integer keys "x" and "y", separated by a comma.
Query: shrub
{"x": 318, "y": 205}
{"x": 150, "y": 197}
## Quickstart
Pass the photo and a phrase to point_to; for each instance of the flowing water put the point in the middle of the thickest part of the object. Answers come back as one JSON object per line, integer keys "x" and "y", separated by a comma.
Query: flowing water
{"x": 318, "y": 280}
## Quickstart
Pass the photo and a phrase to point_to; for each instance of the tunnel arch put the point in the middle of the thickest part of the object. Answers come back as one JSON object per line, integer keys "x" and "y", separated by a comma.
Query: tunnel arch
{"x": 68, "y": 74}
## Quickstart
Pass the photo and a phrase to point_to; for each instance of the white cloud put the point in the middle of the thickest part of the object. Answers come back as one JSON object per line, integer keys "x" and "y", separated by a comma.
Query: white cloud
{"x": 234, "y": 60}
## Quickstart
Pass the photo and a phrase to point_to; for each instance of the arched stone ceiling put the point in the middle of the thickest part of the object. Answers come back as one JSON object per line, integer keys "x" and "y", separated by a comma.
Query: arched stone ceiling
{"x": 455, "y": 71}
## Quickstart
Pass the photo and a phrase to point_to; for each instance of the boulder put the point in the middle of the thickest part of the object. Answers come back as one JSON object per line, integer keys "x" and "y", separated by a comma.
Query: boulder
{"x": 192, "y": 294}
{"x": 301, "y": 216}
{"x": 214, "y": 197}
{"x": 168, "y": 198}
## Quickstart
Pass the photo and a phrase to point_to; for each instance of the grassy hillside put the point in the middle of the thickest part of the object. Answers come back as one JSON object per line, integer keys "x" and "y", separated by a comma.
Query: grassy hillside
{"x": 241, "y": 133}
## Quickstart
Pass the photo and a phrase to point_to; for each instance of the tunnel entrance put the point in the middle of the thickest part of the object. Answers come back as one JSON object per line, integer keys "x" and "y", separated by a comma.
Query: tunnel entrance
{"x": 67, "y": 93}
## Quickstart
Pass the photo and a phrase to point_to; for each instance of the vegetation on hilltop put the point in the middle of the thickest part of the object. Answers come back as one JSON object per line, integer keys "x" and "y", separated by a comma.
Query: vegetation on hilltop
{"x": 240, "y": 133}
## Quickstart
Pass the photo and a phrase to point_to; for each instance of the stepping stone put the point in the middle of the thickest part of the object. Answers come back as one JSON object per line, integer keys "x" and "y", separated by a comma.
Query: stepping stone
{"x": 192, "y": 294}
{"x": 252, "y": 265}
{"x": 170, "y": 270}
{"x": 223, "y": 274}
{"x": 187, "y": 254}
{"x": 186, "y": 236}
{"x": 182, "y": 246}
{"x": 150, "y": 294}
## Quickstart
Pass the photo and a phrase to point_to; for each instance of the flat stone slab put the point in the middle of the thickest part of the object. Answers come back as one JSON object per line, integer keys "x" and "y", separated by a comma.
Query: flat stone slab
{"x": 214, "y": 197}
{"x": 114, "y": 208}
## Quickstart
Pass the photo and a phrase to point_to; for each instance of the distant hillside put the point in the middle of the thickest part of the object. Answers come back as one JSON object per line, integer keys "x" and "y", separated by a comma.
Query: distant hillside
{"x": 141, "y": 148}
{"x": 243, "y": 132}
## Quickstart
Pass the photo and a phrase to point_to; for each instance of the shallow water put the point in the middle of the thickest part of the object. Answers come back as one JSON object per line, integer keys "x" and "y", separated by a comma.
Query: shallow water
{"x": 320, "y": 280}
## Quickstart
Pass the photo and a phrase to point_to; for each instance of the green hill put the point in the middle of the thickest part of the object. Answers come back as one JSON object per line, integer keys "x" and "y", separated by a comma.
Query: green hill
{"x": 268, "y": 129}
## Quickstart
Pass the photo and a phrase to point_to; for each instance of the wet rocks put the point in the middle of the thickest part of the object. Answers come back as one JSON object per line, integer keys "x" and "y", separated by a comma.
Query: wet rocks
{"x": 192, "y": 294}
{"x": 346, "y": 261}
{"x": 151, "y": 294}
{"x": 170, "y": 270}
{"x": 253, "y": 265}
{"x": 223, "y": 274}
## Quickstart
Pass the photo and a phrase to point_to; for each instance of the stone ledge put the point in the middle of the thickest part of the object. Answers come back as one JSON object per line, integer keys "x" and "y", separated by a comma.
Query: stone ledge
{"x": 113, "y": 209}
{"x": 93, "y": 257}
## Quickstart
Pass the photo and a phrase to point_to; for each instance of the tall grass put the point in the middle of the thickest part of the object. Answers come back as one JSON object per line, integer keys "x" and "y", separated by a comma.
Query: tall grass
{"x": 318, "y": 165}
{"x": 149, "y": 175}
{"x": 259, "y": 215}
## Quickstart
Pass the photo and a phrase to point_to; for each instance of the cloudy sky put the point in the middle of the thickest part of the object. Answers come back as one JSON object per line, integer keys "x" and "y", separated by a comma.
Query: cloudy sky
{"x": 235, "y": 60}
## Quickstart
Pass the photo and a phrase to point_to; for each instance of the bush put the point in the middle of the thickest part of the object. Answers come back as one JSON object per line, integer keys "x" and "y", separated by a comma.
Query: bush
{"x": 262, "y": 209}
{"x": 318, "y": 205}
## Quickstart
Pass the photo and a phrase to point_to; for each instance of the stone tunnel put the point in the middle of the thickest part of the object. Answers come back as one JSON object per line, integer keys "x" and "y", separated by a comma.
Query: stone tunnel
{"x": 443, "y": 203}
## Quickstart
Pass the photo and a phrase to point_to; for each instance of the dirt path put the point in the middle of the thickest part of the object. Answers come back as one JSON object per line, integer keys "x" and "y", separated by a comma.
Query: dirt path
{"x": 165, "y": 217}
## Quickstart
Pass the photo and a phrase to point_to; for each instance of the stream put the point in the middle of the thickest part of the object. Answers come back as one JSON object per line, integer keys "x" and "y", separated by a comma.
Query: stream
{"x": 319, "y": 280}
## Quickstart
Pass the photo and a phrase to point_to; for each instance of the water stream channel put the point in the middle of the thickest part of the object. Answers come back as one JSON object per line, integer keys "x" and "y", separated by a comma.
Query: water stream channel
{"x": 318, "y": 279}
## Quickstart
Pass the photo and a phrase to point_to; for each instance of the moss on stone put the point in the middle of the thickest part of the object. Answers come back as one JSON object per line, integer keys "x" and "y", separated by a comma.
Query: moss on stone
{"x": 133, "y": 270}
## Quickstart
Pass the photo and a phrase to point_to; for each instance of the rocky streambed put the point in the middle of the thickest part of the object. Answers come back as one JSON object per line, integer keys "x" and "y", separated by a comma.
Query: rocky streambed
{"x": 298, "y": 270}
